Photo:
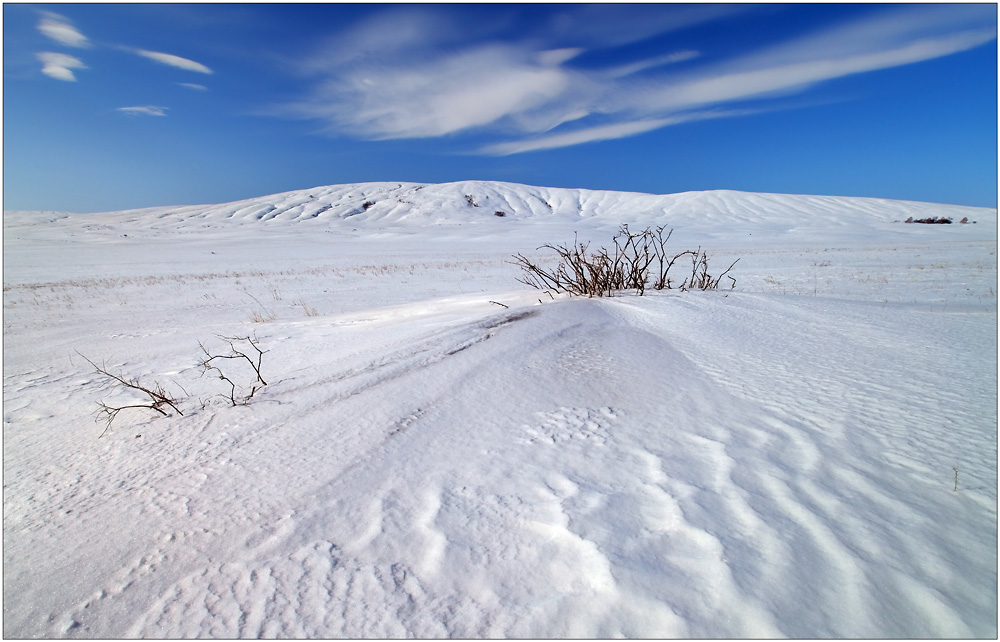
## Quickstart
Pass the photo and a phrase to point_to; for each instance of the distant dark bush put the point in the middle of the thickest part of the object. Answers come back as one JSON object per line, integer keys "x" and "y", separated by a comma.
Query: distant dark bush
{"x": 499, "y": 213}
{"x": 367, "y": 204}
{"x": 932, "y": 221}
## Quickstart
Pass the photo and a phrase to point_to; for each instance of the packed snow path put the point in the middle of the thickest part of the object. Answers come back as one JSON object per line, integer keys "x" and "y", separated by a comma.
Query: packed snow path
{"x": 819, "y": 462}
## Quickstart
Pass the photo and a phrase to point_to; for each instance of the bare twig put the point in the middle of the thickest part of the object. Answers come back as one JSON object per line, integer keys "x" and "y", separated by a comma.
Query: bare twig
{"x": 158, "y": 396}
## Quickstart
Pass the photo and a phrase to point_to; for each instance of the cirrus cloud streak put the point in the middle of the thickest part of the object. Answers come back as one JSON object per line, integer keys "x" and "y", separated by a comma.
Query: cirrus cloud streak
{"x": 532, "y": 94}
{"x": 144, "y": 110}
{"x": 173, "y": 61}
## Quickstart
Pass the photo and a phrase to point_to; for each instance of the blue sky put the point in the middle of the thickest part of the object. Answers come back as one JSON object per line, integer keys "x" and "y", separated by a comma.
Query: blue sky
{"x": 114, "y": 106}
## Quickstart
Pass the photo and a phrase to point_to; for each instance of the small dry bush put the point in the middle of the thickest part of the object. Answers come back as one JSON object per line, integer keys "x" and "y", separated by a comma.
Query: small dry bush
{"x": 239, "y": 350}
{"x": 637, "y": 260}
{"x": 158, "y": 397}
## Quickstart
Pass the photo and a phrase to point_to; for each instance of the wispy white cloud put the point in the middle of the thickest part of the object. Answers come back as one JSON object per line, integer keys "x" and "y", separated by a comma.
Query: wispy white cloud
{"x": 652, "y": 63}
{"x": 195, "y": 86}
{"x": 60, "y": 29}
{"x": 888, "y": 29}
{"x": 532, "y": 94}
{"x": 381, "y": 36}
{"x": 471, "y": 89}
{"x": 174, "y": 61}
{"x": 602, "y": 132}
{"x": 556, "y": 57}
{"x": 590, "y": 134}
{"x": 879, "y": 43}
{"x": 144, "y": 110}
{"x": 795, "y": 76}
{"x": 59, "y": 66}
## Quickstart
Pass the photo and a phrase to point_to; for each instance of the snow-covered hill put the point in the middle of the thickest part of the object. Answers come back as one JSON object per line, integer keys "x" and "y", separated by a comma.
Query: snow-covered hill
{"x": 441, "y": 451}
{"x": 402, "y": 205}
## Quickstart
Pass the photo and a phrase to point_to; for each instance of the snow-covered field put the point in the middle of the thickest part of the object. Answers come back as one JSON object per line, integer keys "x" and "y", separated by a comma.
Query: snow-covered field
{"x": 811, "y": 454}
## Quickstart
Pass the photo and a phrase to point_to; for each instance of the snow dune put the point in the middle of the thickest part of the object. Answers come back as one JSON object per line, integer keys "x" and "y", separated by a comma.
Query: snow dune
{"x": 442, "y": 452}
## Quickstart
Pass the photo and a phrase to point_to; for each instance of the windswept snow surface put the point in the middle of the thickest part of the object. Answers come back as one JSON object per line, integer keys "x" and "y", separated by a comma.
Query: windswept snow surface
{"x": 811, "y": 454}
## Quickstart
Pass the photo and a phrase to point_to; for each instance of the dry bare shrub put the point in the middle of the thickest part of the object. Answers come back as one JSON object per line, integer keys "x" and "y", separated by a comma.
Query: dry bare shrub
{"x": 636, "y": 259}
{"x": 238, "y": 354}
{"x": 241, "y": 348}
{"x": 158, "y": 397}
{"x": 700, "y": 279}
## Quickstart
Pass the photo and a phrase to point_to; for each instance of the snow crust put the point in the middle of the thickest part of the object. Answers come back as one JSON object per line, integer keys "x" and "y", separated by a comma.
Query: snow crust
{"x": 443, "y": 452}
